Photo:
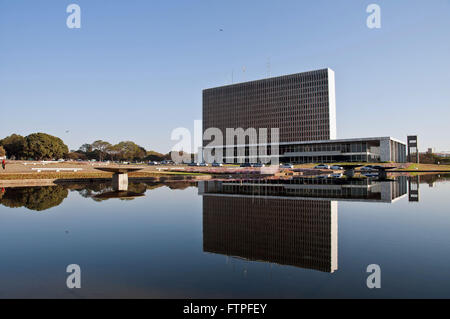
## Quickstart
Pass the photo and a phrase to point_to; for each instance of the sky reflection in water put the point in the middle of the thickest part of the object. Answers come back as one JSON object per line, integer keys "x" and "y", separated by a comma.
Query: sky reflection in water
{"x": 303, "y": 239}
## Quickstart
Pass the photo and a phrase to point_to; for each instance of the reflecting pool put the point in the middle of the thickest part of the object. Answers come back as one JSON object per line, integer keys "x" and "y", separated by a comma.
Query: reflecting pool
{"x": 297, "y": 238}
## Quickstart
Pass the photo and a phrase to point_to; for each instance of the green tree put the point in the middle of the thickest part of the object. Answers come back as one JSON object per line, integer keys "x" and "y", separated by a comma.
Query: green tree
{"x": 114, "y": 152}
{"x": 155, "y": 156}
{"x": 141, "y": 153}
{"x": 86, "y": 148}
{"x": 129, "y": 150}
{"x": 44, "y": 146}
{"x": 14, "y": 145}
{"x": 76, "y": 156}
{"x": 102, "y": 147}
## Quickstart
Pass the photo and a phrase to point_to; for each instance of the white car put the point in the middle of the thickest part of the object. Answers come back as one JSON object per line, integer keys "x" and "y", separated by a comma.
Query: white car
{"x": 287, "y": 165}
{"x": 322, "y": 166}
{"x": 203, "y": 164}
{"x": 336, "y": 167}
{"x": 217, "y": 164}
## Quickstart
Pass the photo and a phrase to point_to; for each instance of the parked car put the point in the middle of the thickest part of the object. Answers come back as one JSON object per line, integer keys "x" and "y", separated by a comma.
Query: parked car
{"x": 367, "y": 168}
{"x": 322, "y": 166}
{"x": 153, "y": 163}
{"x": 203, "y": 164}
{"x": 370, "y": 174}
{"x": 193, "y": 164}
{"x": 286, "y": 165}
{"x": 336, "y": 175}
{"x": 217, "y": 164}
{"x": 258, "y": 165}
{"x": 246, "y": 165}
{"x": 336, "y": 167}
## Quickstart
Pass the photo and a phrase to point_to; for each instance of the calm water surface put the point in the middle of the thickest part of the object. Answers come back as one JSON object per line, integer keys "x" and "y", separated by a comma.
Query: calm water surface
{"x": 302, "y": 239}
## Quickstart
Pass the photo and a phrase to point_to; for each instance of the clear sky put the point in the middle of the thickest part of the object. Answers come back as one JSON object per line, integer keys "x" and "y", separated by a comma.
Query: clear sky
{"x": 136, "y": 69}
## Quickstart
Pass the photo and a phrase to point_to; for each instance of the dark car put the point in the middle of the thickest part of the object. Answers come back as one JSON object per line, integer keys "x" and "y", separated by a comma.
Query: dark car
{"x": 194, "y": 164}
{"x": 258, "y": 165}
{"x": 217, "y": 164}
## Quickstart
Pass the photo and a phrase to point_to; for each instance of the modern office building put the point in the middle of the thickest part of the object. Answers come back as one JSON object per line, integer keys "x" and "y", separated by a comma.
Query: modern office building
{"x": 302, "y": 107}
{"x": 369, "y": 149}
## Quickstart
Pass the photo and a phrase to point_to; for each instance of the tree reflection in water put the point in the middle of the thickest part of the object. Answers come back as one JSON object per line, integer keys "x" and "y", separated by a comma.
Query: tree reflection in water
{"x": 40, "y": 198}
{"x": 34, "y": 198}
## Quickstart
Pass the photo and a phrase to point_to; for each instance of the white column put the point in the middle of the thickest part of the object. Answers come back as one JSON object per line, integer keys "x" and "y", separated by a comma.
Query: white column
{"x": 332, "y": 104}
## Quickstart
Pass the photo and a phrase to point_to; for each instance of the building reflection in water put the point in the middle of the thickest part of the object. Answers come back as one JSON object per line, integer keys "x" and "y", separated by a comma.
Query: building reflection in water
{"x": 288, "y": 222}
{"x": 413, "y": 188}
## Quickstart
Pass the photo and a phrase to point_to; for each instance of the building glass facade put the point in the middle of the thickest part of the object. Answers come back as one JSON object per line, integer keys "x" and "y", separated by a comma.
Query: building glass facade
{"x": 301, "y": 105}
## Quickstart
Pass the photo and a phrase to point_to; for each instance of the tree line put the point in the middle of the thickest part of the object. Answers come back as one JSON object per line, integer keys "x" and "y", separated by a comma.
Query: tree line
{"x": 40, "y": 146}
{"x": 36, "y": 146}
{"x": 126, "y": 150}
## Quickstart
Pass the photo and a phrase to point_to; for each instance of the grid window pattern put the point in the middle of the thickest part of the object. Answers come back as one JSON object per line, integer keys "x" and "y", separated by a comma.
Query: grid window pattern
{"x": 286, "y": 232}
{"x": 297, "y": 104}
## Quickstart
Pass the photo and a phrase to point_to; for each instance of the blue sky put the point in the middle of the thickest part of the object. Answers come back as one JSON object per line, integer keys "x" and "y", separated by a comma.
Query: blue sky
{"x": 136, "y": 69}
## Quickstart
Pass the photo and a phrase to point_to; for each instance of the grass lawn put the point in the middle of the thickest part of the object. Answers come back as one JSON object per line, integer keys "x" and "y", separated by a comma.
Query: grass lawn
{"x": 428, "y": 167}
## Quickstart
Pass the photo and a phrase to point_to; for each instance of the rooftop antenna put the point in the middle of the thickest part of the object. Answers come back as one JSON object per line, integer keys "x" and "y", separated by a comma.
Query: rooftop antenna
{"x": 232, "y": 76}
{"x": 268, "y": 67}
{"x": 243, "y": 71}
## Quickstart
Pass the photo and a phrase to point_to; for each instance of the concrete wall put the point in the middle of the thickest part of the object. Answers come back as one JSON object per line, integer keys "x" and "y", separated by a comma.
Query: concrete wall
{"x": 385, "y": 150}
{"x": 391, "y": 150}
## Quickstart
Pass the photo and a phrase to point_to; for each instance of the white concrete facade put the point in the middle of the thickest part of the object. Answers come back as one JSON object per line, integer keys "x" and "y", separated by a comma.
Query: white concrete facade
{"x": 332, "y": 104}
{"x": 120, "y": 182}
